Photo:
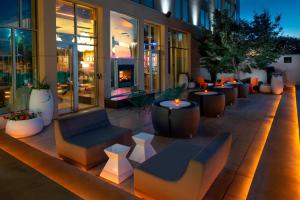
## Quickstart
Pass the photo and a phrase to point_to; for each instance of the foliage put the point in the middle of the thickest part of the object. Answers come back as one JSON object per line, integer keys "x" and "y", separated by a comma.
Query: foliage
{"x": 171, "y": 94}
{"x": 139, "y": 98}
{"x": 290, "y": 45}
{"x": 264, "y": 40}
{"x": 41, "y": 85}
{"x": 237, "y": 46}
{"x": 21, "y": 115}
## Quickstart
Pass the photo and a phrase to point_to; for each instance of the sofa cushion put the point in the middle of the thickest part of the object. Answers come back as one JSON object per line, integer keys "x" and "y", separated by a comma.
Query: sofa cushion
{"x": 171, "y": 163}
{"x": 97, "y": 136}
{"x": 83, "y": 122}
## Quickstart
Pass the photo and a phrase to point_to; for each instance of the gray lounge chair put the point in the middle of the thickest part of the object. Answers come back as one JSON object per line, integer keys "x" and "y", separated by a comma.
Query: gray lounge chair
{"x": 82, "y": 137}
{"x": 182, "y": 170}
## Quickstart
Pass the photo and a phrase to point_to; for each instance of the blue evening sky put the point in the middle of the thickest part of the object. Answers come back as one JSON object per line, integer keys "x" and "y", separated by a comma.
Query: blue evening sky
{"x": 289, "y": 9}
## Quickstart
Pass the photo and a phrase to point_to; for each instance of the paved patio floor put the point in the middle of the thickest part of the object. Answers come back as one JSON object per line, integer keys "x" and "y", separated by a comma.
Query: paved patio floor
{"x": 249, "y": 121}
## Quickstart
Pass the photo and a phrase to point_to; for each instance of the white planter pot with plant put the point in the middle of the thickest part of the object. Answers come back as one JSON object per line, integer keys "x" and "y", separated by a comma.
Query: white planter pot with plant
{"x": 23, "y": 124}
{"x": 41, "y": 101}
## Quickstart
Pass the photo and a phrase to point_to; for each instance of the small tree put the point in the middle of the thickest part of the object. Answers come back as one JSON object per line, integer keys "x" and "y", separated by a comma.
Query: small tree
{"x": 264, "y": 40}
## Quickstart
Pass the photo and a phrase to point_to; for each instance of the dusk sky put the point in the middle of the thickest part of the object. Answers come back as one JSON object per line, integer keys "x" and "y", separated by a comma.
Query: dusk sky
{"x": 289, "y": 9}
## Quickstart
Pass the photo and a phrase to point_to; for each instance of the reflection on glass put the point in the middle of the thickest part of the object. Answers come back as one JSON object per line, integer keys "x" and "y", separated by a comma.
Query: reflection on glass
{"x": 24, "y": 67}
{"x": 28, "y": 6}
{"x": 151, "y": 57}
{"x": 85, "y": 21}
{"x": 82, "y": 66}
{"x": 5, "y": 70}
{"x": 9, "y": 13}
{"x": 64, "y": 17}
{"x": 123, "y": 33}
{"x": 86, "y": 76}
{"x": 64, "y": 78}
{"x": 178, "y": 55}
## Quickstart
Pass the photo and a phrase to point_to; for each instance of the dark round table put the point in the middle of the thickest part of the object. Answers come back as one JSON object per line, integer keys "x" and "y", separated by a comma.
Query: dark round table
{"x": 175, "y": 121}
{"x": 212, "y": 103}
{"x": 243, "y": 88}
{"x": 231, "y": 93}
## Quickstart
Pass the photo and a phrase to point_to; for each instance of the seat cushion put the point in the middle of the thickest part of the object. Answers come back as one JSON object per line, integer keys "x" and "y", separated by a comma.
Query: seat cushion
{"x": 171, "y": 163}
{"x": 97, "y": 136}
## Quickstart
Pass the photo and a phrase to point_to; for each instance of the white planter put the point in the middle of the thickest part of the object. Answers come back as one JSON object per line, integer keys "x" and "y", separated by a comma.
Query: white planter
{"x": 277, "y": 84}
{"x": 41, "y": 101}
{"x": 24, "y": 128}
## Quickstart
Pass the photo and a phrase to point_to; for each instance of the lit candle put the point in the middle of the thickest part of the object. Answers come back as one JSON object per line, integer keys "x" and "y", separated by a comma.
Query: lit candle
{"x": 205, "y": 91}
{"x": 177, "y": 102}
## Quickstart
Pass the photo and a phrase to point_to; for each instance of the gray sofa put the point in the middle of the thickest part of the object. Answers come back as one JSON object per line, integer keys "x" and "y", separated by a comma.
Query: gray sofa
{"x": 82, "y": 137}
{"x": 182, "y": 170}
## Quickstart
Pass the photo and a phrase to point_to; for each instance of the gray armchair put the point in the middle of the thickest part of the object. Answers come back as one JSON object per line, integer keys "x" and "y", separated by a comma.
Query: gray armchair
{"x": 82, "y": 137}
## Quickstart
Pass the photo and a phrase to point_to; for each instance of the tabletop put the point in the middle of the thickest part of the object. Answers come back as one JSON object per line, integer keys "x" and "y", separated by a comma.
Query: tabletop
{"x": 172, "y": 105}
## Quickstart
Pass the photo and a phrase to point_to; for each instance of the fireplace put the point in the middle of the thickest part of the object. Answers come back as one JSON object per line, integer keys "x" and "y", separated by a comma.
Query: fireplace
{"x": 125, "y": 76}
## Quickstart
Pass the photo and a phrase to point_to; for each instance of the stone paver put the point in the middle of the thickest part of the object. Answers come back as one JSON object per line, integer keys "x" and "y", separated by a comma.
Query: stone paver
{"x": 278, "y": 173}
{"x": 247, "y": 120}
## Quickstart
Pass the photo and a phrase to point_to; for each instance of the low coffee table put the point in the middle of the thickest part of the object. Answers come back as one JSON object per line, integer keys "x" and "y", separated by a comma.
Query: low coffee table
{"x": 143, "y": 149}
{"x": 117, "y": 168}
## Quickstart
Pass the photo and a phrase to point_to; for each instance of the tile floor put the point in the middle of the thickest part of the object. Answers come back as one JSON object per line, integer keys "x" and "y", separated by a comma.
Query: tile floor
{"x": 247, "y": 120}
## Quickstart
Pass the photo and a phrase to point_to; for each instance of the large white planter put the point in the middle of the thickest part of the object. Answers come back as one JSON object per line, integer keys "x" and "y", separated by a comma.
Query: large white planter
{"x": 24, "y": 128}
{"x": 277, "y": 84}
{"x": 41, "y": 101}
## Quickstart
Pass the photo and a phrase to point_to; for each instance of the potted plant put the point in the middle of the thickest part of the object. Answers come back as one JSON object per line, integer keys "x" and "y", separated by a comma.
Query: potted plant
{"x": 23, "y": 124}
{"x": 41, "y": 101}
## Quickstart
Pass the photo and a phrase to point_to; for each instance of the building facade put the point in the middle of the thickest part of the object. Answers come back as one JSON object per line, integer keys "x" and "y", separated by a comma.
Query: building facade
{"x": 90, "y": 50}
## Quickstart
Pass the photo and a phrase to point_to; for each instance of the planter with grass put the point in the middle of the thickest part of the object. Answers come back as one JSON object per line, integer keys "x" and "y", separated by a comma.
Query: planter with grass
{"x": 41, "y": 101}
{"x": 23, "y": 124}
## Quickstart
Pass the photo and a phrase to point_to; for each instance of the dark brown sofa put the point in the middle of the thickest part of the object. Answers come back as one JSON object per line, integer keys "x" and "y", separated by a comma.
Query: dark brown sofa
{"x": 82, "y": 137}
{"x": 182, "y": 170}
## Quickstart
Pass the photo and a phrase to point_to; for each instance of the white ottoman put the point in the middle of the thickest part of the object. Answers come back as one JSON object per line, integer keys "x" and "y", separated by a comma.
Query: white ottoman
{"x": 266, "y": 89}
{"x": 143, "y": 149}
{"x": 117, "y": 168}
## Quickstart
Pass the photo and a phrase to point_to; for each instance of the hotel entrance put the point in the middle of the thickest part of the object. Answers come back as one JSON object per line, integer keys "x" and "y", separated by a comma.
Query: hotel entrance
{"x": 76, "y": 72}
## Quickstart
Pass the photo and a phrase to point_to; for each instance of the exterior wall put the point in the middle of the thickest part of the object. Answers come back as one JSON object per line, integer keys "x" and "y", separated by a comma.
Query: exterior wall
{"x": 47, "y": 37}
{"x": 291, "y": 70}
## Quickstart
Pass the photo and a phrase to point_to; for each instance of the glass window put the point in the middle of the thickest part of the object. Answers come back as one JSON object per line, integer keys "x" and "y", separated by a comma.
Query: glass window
{"x": 149, "y": 3}
{"x": 123, "y": 31}
{"x": 6, "y": 97}
{"x": 204, "y": 19}
{"x": 9, "y": 13}
{"x": 28, "y": 14}
{"x": 218, "y": 4}
{"x": 228, "y": 8}
{"x": 85, "y": 21}
{"x": 178, "y": 9}
{"x": 25, "y": 62}
{"x": 65, "y": 17}
{"x": 185, "y": 14}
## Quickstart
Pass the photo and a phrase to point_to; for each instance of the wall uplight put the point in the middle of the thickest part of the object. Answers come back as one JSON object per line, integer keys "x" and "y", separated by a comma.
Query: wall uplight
{"x": 165, "y": 6}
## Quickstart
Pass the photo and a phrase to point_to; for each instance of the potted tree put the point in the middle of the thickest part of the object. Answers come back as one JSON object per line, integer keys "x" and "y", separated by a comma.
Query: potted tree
{"x": 23, "y": 124}
{"x": 41, "y": 101}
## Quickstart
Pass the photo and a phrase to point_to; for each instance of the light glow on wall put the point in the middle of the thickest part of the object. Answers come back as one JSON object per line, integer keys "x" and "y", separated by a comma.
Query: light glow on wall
{"x": 165, "y": 6}
{"x": 195, "y": 14}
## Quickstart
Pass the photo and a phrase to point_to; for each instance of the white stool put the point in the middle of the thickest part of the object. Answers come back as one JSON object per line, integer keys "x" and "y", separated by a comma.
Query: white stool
{"x": 143, "y": 149}
{"x": 117, "y": 168}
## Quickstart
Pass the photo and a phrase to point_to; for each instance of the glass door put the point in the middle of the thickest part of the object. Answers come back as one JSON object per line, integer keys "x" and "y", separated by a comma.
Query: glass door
{"x": 76, "y": 64}
{"x": 178, "y": 55}
{"x": 65, "y": 79}
{"x": 152, "y": 57}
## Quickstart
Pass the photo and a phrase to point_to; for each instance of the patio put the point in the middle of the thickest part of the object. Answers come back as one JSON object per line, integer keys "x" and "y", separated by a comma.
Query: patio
{"x": 249, "y": 121}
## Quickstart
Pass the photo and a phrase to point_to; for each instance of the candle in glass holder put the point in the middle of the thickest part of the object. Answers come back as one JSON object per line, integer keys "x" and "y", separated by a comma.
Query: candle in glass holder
{"x": 205, "y": 91}
{"x": 177, "y": 102}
